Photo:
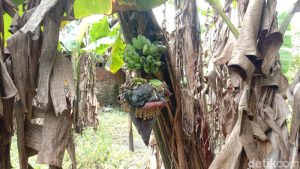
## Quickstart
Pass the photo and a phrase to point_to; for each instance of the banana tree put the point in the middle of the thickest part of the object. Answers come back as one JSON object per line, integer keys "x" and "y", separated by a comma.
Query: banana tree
{"x": 88, "y": 41}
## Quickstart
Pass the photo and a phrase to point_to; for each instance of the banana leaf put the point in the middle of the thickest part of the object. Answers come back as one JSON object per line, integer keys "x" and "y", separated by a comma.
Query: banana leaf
{"x": 93, "y": 34}
{"x": 83, "y": 8}
{"x": 115, "y": 60}
{"x": 73, "y": 35}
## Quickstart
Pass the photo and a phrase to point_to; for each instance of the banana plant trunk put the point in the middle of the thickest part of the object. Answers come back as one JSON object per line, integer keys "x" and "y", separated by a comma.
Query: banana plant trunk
{"x": 180, "y": 130}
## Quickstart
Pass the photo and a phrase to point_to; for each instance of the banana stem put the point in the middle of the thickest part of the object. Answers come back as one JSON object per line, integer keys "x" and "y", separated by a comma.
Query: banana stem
{"x": 217, "y": 6}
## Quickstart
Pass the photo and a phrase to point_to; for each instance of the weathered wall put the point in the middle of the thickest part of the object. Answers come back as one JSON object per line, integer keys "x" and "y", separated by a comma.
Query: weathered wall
{"x": 107, "y": 85}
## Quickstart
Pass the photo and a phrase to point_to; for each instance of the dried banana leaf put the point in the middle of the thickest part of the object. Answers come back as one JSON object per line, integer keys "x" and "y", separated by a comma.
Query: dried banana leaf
{"x": 18, "y": 46}
{"x": 55, "y": 137}
{"x": 60, "y": 83}
{"x": 245, "y": 52}
{"x": 49, "y": 47}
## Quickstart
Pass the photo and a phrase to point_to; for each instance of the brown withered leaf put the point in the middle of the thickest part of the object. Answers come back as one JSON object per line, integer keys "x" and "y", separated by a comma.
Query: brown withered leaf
{"x": 62, "y": 83}
{"x": 7, "y": 87}
{"x": 49, "y": 49}
{"x": 57, "y": 85}
{"x": 258, "y": 131}
{"x": 17, "y": 45}
{"x": 270, "y": 51}
{"x": 33, "y": 136}
{"x": 226, "y": 53}
{"x": 38, "y": 15}
{"x": 295, "y": 117}
{"x": 228, "y": 157}
{"x": 71, "y": 151}
{"x": 245, "y": 51}
{"x": 1, "y": 109}
{"x": 294, "y": 154}
{"x": 55, "y": 137}
{"x": 247, "y": 139}
{"x": 242, "y": 6}
{"x": 276, "y": 129}
{"x": 20, "y": 118}
{"x": 265, "y": 148}
{"x": 9, "y": 7}
{"x": 281, "y": 108}
{"x": 293, "y": 88}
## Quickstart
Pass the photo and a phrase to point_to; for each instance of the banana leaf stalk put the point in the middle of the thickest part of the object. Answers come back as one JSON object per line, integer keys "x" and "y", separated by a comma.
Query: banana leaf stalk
{"x": 216, "y": 4}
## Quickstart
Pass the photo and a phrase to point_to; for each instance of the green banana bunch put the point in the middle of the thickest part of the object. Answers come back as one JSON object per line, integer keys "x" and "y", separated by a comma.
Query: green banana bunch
{"x": 140, "y": 41}
{"x": 132, "y": 60}
{"x": 143, "y": 55}
{"x": 151, "y": 65}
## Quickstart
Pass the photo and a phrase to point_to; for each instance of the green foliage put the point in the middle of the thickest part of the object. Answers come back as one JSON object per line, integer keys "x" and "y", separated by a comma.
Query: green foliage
{"x": 115, "y": 60}
{"x": 101, "y": 29}
{"x": 289, "y": 51}
{"x": 68, "y": 37}
{"x": 7, "y": 22}
{"x": 83, "y": 8}
{"x": 102, "y": 37}
{"x": 92, "y": 148}
{"x": 295, "y": 65}
{"x": 94, "y": 35}
{"x": 155, "y": 82}
{"x": 18, "y": 2}
{"x": 285, "y": 52}
{"x": 234, "y": 4}
{"x": 143, "y": 55}
{"x": 286, "y": 59}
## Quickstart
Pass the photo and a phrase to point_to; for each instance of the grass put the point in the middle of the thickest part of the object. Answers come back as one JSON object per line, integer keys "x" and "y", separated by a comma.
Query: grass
{"x": 104, "y": 148}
